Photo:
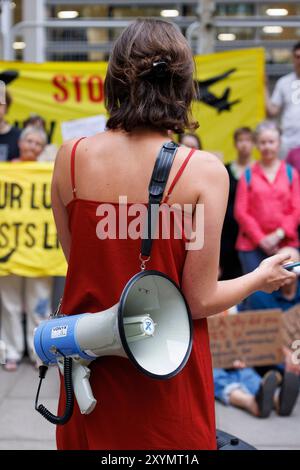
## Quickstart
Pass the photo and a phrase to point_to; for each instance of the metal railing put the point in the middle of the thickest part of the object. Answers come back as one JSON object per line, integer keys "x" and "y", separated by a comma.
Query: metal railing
{"x": 61, "y": 44}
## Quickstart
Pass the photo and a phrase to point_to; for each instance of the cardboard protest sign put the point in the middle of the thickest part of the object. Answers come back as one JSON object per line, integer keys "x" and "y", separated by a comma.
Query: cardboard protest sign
{"x": 254, "y": 337}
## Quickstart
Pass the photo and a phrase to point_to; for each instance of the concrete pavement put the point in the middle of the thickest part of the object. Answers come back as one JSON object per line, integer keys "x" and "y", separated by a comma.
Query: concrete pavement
{"x": 21, "y": 427}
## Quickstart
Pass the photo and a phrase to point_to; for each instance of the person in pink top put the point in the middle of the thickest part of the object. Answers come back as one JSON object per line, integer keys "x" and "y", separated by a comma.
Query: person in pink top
{"x": 267, "y": 206}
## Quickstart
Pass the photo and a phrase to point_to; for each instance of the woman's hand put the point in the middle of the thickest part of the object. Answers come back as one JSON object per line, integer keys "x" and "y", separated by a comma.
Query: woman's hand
{"x": 272, "y": 274}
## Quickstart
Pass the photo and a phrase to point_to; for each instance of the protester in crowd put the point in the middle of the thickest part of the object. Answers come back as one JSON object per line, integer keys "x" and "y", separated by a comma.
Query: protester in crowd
{"x": 267, "y": 206}
{"x": 20, "y": 294}
{"x": 285, "y": 103}
{"x": 9, "y": 135}
{"x": 50, "y": 150}
{"x": 31, "y": 144}
{"x": 285, "y": 298}
{"x": 190, "y": 140}
{"x": 229, "y": 261}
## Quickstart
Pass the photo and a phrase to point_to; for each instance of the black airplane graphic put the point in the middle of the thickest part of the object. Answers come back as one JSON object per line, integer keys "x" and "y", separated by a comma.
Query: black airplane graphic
{"x": 8, "y": 76}
{"x": 221, "y": 103}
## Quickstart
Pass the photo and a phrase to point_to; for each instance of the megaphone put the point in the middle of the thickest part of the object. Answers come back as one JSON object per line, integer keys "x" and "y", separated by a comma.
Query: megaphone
{"x": 151, "y": 325}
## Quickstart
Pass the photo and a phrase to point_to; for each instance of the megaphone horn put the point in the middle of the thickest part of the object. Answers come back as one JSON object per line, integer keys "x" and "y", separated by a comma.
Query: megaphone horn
{"x": 151, "y": 326}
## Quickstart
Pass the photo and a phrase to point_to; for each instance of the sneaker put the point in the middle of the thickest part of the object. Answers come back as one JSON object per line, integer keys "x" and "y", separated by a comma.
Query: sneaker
{"x": 265, "y": 394}
{"x": 288, "y": 394}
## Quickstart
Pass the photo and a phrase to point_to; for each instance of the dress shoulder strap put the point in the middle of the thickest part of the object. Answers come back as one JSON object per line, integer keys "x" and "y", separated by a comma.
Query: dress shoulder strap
{"x": 178, "y": 174}
{"x": 73, "y": 166}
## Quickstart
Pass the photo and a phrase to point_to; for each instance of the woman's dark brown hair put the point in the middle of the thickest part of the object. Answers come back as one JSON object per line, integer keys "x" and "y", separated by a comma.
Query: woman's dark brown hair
{"x": 149, "y": 81}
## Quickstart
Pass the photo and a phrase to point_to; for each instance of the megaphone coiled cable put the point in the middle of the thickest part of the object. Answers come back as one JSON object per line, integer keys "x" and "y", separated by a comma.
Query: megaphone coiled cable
{"x": 68, "y": 383}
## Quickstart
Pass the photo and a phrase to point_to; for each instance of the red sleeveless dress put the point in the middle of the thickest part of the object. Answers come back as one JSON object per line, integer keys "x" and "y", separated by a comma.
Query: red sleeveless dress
{"x": 133, "y": 411}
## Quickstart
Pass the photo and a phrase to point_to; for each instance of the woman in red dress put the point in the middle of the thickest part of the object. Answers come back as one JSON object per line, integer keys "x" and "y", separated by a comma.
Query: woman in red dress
{"x": 149, "y": 88}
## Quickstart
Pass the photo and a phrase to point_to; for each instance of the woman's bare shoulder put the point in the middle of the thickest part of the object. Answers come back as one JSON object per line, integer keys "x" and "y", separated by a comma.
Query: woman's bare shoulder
{"x": 65, "y": 150}
{"x": 209, "y": 166}
{"x": 208, "y": 157}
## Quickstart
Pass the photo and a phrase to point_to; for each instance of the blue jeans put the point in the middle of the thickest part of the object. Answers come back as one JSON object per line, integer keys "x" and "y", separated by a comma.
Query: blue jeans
{"x": 251, "y": 259}
{"x": 225, "y": 381}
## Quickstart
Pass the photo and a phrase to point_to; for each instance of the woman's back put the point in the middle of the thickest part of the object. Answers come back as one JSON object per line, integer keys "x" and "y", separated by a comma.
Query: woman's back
{"x": 112, "y": 164}
{"x": 99, "y": 267}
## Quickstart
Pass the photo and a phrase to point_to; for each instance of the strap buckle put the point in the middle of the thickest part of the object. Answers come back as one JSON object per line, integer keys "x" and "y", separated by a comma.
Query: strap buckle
{"x": 143, "y": 261}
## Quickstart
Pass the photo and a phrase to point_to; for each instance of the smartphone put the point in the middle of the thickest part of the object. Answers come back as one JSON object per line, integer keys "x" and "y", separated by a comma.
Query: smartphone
{"x": 294, "y": 267}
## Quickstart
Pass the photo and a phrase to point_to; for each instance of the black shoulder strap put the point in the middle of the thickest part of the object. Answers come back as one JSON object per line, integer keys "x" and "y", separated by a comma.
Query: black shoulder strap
{"x": 156, "y": 189}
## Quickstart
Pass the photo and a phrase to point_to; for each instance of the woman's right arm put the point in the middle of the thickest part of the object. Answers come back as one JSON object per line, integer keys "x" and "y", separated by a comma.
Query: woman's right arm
{"x": 204, "y": 293}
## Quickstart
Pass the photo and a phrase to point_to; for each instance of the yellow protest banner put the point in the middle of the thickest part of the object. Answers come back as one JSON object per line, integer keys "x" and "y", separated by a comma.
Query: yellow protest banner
{"x": 28, "y": 239}
{"x": 232, "y": 89}
{"x": 231, "y": 94}
{"x": 58, "y": 91}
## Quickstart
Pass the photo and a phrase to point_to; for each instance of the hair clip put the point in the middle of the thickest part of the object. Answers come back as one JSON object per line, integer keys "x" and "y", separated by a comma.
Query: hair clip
{"x": 160, "y": 68}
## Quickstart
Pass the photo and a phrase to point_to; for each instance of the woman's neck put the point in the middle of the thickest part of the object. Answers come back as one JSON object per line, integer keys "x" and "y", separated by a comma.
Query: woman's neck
{"x": 142, "y": 133}
{"x": 270, "y": 163}
{"x": 243, "y": 160}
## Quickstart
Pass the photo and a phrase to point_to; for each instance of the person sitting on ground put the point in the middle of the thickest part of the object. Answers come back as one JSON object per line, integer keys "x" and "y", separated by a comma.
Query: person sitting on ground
{"x": 285, "y": 298}
{"x": 243, "y": 387}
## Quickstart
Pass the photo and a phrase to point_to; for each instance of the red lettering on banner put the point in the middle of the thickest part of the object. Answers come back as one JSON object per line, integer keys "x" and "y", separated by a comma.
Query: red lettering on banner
{"x": 95, "y": 83}
{"x": 58, "y": 82}
{"x": 74, "y": 84}
{"x": 77, "y": 87}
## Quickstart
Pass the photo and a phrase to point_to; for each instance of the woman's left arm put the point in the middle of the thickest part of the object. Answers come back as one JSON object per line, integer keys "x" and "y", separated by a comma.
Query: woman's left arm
{"x": 58, "y": 207}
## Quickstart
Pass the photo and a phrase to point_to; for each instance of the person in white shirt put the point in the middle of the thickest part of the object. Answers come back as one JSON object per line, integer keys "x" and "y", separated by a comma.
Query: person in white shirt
{"x": 285, "y": 104}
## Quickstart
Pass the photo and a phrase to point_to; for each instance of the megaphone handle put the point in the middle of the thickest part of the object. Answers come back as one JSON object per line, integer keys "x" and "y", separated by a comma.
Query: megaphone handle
{"x": 82, "y": 388}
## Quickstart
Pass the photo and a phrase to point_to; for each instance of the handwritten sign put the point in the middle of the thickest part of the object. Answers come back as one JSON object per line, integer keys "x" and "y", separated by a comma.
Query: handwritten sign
{"x": 254, "y": 337}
